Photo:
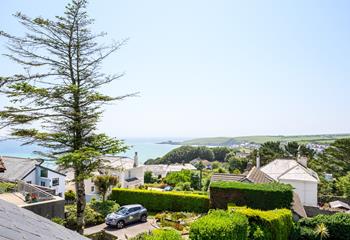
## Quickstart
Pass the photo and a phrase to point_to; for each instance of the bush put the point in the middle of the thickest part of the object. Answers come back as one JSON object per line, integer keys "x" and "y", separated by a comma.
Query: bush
{"x": 338, "y": 225}
{"x": 7, "y": 187}
{"x": 159, "y": 234}
{"x": 174, "y": 178}
{"x": 91, "y": 217}
{"x": 270, "y": 225}
{"x": 70, "y": 196}
{"x": 148, "y": 177}
{"x": 59, "y": 221}
{"x": 162, "y": 201}
{"x": 265, "y": 196}
{"x": 105, "y": 207}
{"x": 219, "y": 224}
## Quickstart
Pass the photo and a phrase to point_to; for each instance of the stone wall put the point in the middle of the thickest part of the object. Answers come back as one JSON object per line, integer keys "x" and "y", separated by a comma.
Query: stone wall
{"x": 48, "y": 209}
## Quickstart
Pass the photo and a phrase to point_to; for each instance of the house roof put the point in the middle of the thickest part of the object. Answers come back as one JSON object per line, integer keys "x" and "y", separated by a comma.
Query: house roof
{"x": 255, "y": 175}
{"x": 179, "y": 167}
{"x": 289, "y": 169}
{"x": 17, "y": 168}
{"x": 297, "y": 206}
{"x": 217, "y": 177}
{"x": 339, "y": 204}
{"x": 117, "y": 162}
{"x": 20, "y": 223}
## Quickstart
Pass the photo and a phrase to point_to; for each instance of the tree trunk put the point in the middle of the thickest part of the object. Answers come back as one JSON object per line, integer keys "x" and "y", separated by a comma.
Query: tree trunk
{"x": 81, "y": 203}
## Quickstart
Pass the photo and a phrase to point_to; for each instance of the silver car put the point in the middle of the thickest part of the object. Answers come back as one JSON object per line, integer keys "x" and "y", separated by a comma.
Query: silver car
{"x": 127, "y": 214}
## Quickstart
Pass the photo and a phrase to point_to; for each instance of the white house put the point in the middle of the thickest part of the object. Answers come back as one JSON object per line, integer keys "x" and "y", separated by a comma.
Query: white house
{"x": 129, "y": 173}
{"x": 32, "y": 171}
{"x": 161, "y": 170}
{"x": 296, "y": 173}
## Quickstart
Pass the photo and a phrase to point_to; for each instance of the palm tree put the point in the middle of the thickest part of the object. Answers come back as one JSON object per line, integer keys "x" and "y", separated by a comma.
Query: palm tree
{"x": 103, "y": 184}
{"x": 321, "y": 231}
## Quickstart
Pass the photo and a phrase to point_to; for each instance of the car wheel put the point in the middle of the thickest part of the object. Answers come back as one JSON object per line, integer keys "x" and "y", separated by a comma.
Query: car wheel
{"x": 144, "y": 218}
{"x": 120, "y": 224}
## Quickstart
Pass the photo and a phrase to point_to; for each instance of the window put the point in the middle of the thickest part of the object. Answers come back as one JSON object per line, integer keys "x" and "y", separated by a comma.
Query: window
{"x": 29, "y": 182}
{"x": 43, "y": 173}
{"x": 55, "y": 181}
{"x": 42, "y": 183}
{"x": 92, "y": 188}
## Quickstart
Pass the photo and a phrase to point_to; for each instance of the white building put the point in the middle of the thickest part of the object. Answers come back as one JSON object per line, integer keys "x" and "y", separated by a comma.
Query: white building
{"x": 161, "y": 170}
{"x": 129, "y": 174}
{"x": 296, "y": 173}
{"x": 32, "y": 171}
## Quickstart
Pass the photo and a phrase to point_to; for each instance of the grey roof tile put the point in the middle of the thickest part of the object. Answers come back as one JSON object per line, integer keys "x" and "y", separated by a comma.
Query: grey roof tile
{"x": 17, "y": 223}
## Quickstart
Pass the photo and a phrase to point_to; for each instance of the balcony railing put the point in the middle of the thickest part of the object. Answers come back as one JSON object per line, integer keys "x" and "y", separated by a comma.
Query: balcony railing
{"x": 31, "y": 193}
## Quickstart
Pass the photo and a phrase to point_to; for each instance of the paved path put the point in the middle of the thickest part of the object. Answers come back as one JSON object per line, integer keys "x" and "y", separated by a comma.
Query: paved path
{"x": 129, "y": 230}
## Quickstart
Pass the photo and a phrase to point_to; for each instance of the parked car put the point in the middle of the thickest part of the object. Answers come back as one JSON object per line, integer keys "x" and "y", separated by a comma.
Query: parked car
{"x": 127, "y": 214}
{"x": 168, "y": 188}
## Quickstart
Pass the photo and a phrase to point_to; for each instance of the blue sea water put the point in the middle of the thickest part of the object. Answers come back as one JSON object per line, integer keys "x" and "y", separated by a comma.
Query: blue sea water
{"x": 145, "y": 147}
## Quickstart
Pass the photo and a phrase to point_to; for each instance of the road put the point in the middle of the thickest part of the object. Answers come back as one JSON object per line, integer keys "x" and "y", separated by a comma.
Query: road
{"x": 128, "y": 231}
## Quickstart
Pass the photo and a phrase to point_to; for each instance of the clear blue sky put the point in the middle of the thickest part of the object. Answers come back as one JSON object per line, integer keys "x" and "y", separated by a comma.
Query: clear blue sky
{"x": 219, "y": 68}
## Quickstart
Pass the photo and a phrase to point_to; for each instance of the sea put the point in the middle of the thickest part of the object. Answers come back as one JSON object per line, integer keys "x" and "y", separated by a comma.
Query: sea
{"x": 146, "y": 148}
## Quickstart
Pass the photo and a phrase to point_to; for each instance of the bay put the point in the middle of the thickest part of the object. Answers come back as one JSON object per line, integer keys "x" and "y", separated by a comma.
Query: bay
{"x": 145, "y": 147}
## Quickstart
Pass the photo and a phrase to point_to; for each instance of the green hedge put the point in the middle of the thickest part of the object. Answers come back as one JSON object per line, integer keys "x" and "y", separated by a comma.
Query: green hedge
{"x": 161, "y": 201}
{"x": 272, "y": 225}
{"x": 159, "y": 234}
{"x": 338, "y": 225}
{"x": 264, "y": 196}
{"x": 219, "y": 224}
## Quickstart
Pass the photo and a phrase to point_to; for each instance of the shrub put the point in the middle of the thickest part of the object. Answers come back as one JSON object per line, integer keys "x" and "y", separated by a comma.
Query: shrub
{"x": 148, "y": 177}
{"x": 272, "y": 225}
{"x": 338, "y": 224}
{"x": 219, "y": 224}
{"x": 105, "y": 207}
{"x": 174, "y": 178}
{"x": 159, "y": 234}
{"x": 265, "y": 196}
{"x": 7, "y": 187}
{"x": 164, "y": 234}
{"x": 70, "y": 196}
{"x": 91, "y": 217}
{"x": 162, "y": 201}
{"x": 58, "y": 220}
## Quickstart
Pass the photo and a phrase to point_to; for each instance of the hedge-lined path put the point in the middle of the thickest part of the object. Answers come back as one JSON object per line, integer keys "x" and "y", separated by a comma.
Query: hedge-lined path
{"x": 130, "y": 230}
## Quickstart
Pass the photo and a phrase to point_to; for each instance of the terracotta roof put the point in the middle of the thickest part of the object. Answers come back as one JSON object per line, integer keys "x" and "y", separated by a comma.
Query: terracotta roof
{"x": 2, "y": 165}
{"x": 257, "y": 176}
{"x": 297, "y": 206}
{"x": 227, "y": 177}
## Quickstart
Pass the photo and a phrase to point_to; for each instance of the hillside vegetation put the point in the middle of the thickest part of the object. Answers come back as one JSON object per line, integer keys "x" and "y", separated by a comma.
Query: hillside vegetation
{"x": 225, "y": 141}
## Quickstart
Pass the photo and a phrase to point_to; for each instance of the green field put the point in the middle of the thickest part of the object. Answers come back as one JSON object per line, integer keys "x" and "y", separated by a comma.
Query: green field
{"x": 225, "y": 141}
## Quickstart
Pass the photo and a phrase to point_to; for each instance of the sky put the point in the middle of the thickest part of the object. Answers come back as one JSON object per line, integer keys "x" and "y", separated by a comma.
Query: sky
{"x": 217, "y": 68}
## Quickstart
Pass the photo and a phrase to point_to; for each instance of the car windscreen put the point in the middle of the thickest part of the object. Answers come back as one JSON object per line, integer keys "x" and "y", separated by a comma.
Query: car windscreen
{"x": 122, "y": 210}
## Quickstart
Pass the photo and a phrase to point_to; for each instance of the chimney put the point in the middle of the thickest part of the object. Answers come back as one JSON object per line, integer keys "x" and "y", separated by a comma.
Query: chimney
{"x": 303, "y": 161}
{"x": 136, "y": 160}
{"x": 258, "y": 160}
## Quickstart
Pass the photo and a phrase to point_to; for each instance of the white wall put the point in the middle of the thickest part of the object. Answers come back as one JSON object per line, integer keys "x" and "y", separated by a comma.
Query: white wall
{"x": 60, "y": 188}
{"x": 307, "y": 191}
{"x": 31, "y": 178}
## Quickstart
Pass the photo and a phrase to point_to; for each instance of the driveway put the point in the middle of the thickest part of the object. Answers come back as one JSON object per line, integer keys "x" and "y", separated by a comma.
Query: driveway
{"x": 128, "y": 231}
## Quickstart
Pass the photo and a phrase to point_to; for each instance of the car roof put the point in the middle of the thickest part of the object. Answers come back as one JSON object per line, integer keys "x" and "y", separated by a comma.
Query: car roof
{"x": 132, "y": 205}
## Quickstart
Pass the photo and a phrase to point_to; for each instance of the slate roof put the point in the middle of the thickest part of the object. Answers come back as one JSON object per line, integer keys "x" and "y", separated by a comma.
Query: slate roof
{"x": 17, "y": 168}
{"x": 19, "y": 223}
{"x": 257, "y": 176}
{"x": 217, "y": 177}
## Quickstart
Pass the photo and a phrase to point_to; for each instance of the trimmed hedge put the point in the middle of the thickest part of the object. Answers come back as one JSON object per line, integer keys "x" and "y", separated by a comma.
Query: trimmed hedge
{"x": 264, "y": 196}
{"x": 161, "y": 201}
{"x": 338, "y": 225}
{"x": 271, "y": 225}
{"x": 159, "y": 234}
{"x": 219, "y": 224}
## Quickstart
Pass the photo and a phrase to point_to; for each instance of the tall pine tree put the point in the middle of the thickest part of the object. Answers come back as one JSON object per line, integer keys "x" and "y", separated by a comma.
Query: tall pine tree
{"x": 56, "y": 101}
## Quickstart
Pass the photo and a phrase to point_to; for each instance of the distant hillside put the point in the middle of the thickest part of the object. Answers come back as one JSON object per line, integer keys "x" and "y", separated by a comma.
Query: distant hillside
{"x": 225, "y": 141}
